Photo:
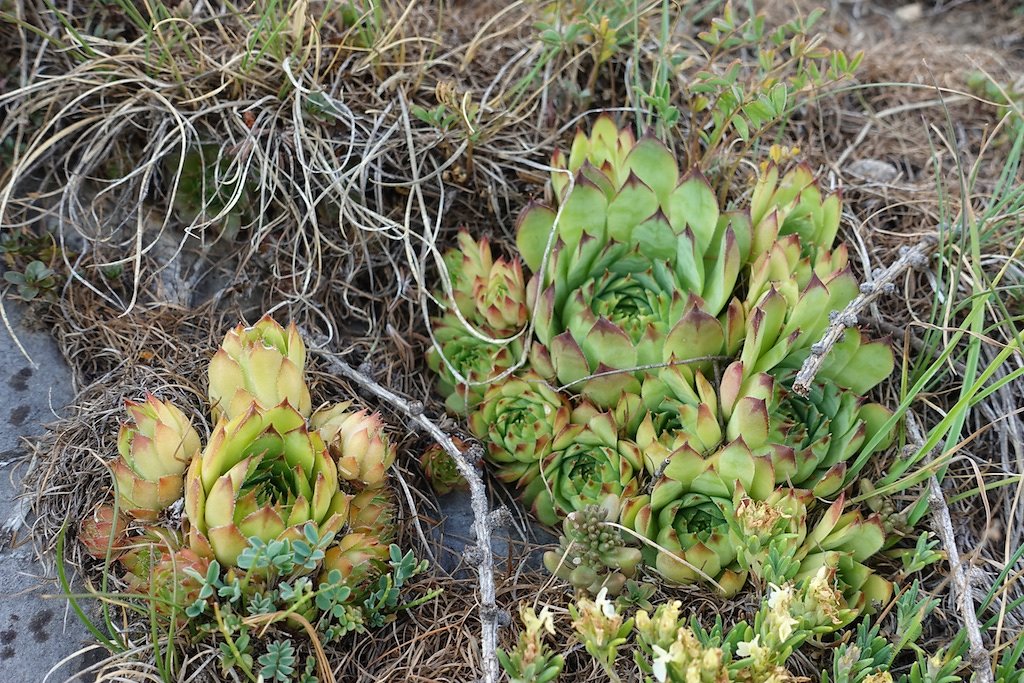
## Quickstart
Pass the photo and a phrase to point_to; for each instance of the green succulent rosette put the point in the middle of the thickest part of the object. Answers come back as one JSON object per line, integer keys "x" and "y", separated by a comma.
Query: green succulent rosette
{"x": 155, "y": 449}
{"x": 687, "y": 513}
{"x": 814, "y": 442}
{"x": 440, "y": 469}
{"x": 621, "y": 312}
{"x": 262, "y": 364}
{"x": 642, "y": 269}
{"x": 518, "y": 420}
{"x": 590, "y": 463}
{"x": 466, "y": 364}
{"x": 357, "y": 442}
{"x": 486, "y": 291}
{"x": 263, "y": 474}
{"x": 838, "y": 547}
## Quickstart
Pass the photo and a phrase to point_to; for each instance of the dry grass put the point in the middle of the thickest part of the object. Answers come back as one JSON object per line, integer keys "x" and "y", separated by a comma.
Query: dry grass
{"x": 353, "y": 196}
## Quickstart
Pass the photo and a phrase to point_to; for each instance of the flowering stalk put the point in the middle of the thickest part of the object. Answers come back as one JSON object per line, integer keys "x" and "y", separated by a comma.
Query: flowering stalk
{"x": 601, "y": 629}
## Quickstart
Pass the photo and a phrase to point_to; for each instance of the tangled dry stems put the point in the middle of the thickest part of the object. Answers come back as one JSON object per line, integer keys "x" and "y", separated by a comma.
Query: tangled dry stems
{"x": 352, "y": 205}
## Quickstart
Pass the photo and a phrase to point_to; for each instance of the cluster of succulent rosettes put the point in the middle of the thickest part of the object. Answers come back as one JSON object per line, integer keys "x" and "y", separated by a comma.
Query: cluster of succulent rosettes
{"x": 815, "y": 442}
{"x": 591, "y": 553}
{"x": 476, "y": 338}
{"x": 270, "y": 468}
{"x": 667, "y": 331}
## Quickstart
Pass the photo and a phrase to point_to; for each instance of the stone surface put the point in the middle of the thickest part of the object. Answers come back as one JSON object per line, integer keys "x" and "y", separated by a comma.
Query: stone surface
{"x": 36, "y": 632}
{"x": 456, "y": 532}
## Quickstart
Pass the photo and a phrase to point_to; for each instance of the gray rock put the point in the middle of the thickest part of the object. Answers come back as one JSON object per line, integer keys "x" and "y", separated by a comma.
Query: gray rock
{"x": 36, "y": 632}
{"x": 457, "y": 537}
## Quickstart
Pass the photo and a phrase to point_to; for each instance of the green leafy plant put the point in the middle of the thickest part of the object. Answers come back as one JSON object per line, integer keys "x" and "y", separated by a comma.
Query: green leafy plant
{"x": 37, "y": 280}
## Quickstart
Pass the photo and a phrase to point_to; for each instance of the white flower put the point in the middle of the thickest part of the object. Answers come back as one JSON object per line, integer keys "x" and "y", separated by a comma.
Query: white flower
{"x": 534, "y": 622}
{"x": 660, "y": 664}
{"x": 779, "y": 598}
{"x": 780, "y": 618}
{"x": 602, "y": 603}
{"x": 750, "y": 648}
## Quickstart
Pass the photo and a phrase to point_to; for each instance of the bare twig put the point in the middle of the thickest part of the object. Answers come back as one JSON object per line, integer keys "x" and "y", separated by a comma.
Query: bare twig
{"x": 483, "y": 520}
{"x": 978, "y": 657}
{"x": 882, "y": 283}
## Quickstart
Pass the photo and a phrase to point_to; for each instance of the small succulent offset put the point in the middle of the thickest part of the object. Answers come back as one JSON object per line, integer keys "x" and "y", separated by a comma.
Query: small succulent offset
{"x": 441, "y": 471}
{"x": 287, "y": 511}
{"x": 591, "y": 553}
{"x": 156, "y": 448}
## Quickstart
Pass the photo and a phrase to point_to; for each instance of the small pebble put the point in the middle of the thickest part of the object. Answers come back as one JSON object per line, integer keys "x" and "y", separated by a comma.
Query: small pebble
{"x": 910, "y": 13}
{"x": 873, "y": 170}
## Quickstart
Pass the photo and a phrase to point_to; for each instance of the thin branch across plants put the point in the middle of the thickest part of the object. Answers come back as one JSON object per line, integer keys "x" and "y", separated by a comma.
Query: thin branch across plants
{"x": 883, "y": 283}
{"x": 483, "y": 518}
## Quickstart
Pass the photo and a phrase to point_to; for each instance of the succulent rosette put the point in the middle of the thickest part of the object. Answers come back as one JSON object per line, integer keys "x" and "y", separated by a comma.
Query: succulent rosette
{"x": 440, "y": 469}
{"x": 642, "y": 270}
{"x": 837, "y": 547}
{"x": 811, "y": 441}
{"x": 103, "y": 532}
{"x": 591, "y": 554}
{"x": 357, "y": 556}
{"x": 263, "y": 474}
{"x": 518, "y": 420}
{"x": 155, "y": 449}
{"x": 590, "y": 463}
{"x": 357, "y": 442}
{"x": 262, "y": 364}
{"x": 827, "y": 431}
{"x": 487, "y": 291}
{"x": 466, "y": 364}
{"x": 687, "y": 513}
{"x": 797, "y": 278}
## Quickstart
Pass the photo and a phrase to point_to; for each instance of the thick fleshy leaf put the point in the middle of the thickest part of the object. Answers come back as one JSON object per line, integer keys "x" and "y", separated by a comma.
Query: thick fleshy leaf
{"x": 532, "y": 232}
{"x": 607, "y": 343}
{"x": 227, "y": 543}
{"x": 693, "y": 203}
{"x": 583, "y": 212}
{"x": 696, "y": 335}
{"x": 634, "y": 203}
{"x": 655, "y": 237}
{"x": 750, "y": 421}
{"x": 655, "y": 165}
